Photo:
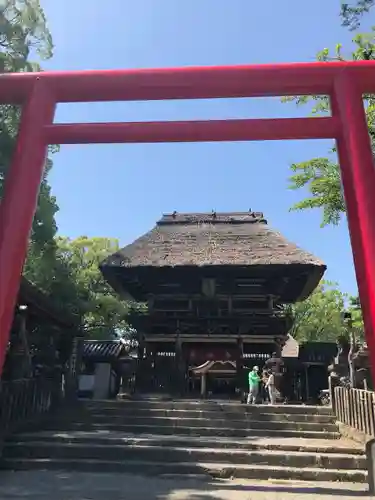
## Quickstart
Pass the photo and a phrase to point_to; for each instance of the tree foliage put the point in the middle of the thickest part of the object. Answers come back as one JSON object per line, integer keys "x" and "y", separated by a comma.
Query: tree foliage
{"x": 352, "y": 14}
{"x": 67, "y": 269}
{"x": 320, "y": 316}
{"x": 24, "y": 33}
{"x": 321, "y": 176}
{"x": 356, "y": 312}
{"x": 23, "y": 29}
{"x": 103, "y": 313}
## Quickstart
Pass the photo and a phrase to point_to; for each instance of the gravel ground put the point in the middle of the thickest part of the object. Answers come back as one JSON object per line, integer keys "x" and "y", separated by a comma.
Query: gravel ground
{"x": 53, "y": 485}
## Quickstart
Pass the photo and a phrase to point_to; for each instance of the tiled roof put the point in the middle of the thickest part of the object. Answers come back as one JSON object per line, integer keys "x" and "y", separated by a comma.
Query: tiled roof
{"x": 103, "y": 350}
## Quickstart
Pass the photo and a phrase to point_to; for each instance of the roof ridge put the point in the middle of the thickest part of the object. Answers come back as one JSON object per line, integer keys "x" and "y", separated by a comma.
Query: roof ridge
{"x": 212, "y": 217}
{"x": 102, "y": 341}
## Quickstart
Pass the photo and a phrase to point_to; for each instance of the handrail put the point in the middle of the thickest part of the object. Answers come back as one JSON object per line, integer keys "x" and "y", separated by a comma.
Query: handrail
{"x": 356, "y": 409}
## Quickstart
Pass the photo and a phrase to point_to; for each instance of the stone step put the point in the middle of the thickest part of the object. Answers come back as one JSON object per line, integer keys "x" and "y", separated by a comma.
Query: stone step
{"x": 280, "y": 444}
{"x": 190, "y": 431}
{"x": 247, "y": 414}
{"x": 216, "y": 470}
{"x": 206, "y": 406}
{"x": 151, "y": 453}
{"x": 204, "y": 422}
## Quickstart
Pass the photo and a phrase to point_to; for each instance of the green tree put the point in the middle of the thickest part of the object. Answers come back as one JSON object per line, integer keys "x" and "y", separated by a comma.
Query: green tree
{"x": 67, "y": 269}
{"x": 24, "y": 32}
{"x": 319, "y": 317}
{"x": 103, "y": 313}
{"x": 321, "y": 176}
{"x": 357, "y": 318}
{"x": 352, "y": 14}
{"x": 52, "y": 273}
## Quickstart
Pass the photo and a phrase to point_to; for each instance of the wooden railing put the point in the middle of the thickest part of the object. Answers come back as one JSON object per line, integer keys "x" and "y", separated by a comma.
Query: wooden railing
{"x": 356, "y": 409}
{"x": 26, "y": 402}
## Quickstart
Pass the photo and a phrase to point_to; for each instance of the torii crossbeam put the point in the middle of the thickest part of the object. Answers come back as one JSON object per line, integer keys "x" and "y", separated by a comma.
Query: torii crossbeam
{"x": 38, "y": 93}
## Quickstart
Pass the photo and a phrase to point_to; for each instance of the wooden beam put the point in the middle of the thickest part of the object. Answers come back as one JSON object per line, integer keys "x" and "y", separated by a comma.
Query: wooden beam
{"x": 247, "y": 339}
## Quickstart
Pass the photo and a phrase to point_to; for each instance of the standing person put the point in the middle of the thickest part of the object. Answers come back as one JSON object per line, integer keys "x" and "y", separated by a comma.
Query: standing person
{"x": 270, "y": 385}
{"x": 265, "y": 394}
{"x": 254, "y": 381}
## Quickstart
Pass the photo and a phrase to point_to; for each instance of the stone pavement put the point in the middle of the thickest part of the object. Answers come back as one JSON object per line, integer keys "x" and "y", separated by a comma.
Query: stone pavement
{"x": 54, "y": 485}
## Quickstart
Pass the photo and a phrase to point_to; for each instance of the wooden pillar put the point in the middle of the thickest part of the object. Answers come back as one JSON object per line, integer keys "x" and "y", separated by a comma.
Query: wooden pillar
{"x": 74, "y": 367}
{"x": 147, "y": 379}
{"x": 180, "y": 367}
{"x": 24, "y": 342}
{"x": 239, "y": 367}
{"x": 307, "y": 385}
{"x": 154, "y": 374}
{"x": 20, "y": 362}
{"x": 140, "y": 363}
{"x": 279, "y": 344}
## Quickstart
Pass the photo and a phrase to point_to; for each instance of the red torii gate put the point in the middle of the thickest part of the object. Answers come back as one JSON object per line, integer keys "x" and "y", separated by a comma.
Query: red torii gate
{"x": 38, "y": 93}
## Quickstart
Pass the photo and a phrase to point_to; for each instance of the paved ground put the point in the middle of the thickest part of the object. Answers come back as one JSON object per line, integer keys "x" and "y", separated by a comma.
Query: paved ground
{"x": 50, "y": 485}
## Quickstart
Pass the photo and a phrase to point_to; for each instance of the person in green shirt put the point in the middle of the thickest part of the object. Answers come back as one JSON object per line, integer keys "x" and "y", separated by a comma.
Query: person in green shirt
{"x": 254, "y": 381}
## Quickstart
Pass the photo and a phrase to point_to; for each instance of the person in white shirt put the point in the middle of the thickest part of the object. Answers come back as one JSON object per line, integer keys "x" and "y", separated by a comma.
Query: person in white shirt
{"x": 270, "y": 386}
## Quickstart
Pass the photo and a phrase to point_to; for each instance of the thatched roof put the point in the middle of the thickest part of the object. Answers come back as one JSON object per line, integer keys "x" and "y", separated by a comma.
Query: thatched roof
{"x": 215, "y": 239}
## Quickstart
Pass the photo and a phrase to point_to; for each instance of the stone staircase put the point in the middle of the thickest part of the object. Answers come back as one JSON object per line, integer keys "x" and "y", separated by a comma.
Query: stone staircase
{"x": 155, "y": 437}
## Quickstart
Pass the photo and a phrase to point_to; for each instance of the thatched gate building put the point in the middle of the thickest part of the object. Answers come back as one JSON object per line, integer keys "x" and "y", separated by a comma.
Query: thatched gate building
{"x": 215, "y": 285}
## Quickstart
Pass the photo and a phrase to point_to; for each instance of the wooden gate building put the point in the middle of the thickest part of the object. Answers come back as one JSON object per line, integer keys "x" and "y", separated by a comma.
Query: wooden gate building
{"x": 216, "y": 285}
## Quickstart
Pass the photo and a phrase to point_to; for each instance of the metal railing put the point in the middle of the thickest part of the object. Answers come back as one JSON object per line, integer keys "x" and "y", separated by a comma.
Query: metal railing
{"x": 356, "y": 409}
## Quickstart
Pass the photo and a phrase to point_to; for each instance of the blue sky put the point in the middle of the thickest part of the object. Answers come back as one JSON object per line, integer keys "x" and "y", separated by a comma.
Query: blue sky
{"x": 120, "y": 191}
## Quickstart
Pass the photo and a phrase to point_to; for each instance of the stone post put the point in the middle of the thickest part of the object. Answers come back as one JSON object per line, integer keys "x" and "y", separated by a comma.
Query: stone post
{"x": 370, "y": 459}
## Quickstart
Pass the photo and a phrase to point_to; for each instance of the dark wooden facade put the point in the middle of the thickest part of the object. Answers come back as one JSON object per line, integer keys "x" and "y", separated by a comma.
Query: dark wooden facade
{"x": 215, "y": 287}
{"x": 42, "y": 335}
{"x": 40, "y": 370}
